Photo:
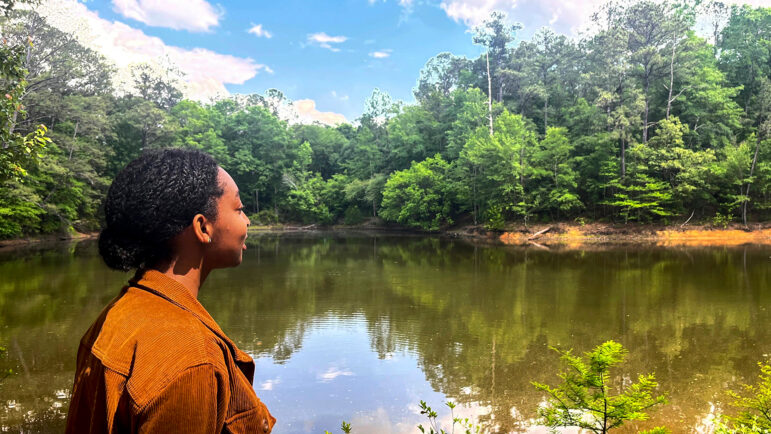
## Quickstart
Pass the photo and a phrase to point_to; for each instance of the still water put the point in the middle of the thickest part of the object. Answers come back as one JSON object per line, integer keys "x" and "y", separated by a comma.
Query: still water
{"x": 361, "y": 327}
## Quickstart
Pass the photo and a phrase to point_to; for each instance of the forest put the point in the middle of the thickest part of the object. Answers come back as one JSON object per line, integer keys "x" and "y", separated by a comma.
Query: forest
{"x": 660, "y": 114}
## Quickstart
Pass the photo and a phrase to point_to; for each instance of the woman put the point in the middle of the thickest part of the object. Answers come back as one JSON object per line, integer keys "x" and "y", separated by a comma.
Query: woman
{"x": 155, "y": 360}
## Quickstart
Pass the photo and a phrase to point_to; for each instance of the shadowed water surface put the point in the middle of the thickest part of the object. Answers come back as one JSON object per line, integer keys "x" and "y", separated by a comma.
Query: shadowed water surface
{"x": 360, "y": 327}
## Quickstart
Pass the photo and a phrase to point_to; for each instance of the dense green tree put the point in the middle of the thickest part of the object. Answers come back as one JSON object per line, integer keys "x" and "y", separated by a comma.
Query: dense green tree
{"x": 17, "y": 150}
{"x": 649, "y": 25}
{"x": 261, "y": 151}
{"x": 198, "y": 127}
{"x": 503, "y": 163}
{"x": 745, "y": 54}
{"x": 557, "y": 177}
{"x": 495, "y": 34}
{"x": 157, "y": 85}
{"x": 439, "y": 77}
{"x": 424, "y": 196}
{"x": 327, "y": 144}
{"x": 413, "y": 136}
{"x": 641, "y": 119}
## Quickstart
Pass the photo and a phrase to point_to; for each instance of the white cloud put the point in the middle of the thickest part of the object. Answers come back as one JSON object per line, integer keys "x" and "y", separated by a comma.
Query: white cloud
{"x": 206, "y": 72}
{"x": 565, "y": 17}
{"x": 333, "y": 373}
{"x": 338, "y": 96}
{"x": 268, "y": 385}
{"x": 568, "y": 17}
{"x": 257, "y": 30}
{"x": 381, "y": 54}
{"x": 325, "y": 41}
{"x": 192, "y": 15}
{"x": 308, "y": 114}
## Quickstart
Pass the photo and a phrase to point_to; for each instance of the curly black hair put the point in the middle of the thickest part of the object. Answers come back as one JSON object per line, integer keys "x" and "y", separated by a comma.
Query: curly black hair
{"x": 152, "y": 200}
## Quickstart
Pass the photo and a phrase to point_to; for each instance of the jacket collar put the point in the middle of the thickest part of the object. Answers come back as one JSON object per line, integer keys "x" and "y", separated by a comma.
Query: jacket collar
{"x": 159, "y": 284}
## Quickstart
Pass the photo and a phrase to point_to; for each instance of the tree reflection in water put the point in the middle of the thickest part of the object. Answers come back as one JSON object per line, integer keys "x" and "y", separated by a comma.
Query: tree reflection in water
{"x": 478, "y": 319}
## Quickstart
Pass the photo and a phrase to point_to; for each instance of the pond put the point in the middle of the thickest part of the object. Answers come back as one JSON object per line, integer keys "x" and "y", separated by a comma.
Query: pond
{"x": 361, "y": 327}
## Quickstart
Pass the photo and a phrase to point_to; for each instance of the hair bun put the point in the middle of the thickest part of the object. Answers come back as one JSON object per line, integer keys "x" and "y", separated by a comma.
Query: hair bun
{"x": 120, "y": 251}
{"x": 151, "y": 201}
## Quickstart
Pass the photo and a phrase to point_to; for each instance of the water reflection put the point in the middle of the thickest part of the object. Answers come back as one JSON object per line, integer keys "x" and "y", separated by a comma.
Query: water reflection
{"x": 361, "y": 327}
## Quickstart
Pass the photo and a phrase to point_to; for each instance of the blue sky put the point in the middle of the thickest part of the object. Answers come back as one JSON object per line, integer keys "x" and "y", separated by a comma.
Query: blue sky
{"x": 328, "y": 56}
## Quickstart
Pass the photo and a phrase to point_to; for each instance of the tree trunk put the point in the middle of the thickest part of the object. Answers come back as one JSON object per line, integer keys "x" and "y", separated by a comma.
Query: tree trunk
{"x": 546, "y": 113}
{"x": 474, "y": 206}
{"x": 74, "y": 136}
{"x": 489, "y": 93}
{"x": 747, "y": 190}
{"x": 647, "y": 107}
{"x": 623, "y": 158}
{"x": 27, "y": 58}
{"x": 522, "y": 166}
{"x": 671, "y": 79}
{"x": 257, "y": 200}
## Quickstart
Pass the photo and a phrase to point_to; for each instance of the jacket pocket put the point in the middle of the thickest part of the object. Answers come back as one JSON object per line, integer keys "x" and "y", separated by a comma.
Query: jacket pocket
{"x": 256, "y": 420}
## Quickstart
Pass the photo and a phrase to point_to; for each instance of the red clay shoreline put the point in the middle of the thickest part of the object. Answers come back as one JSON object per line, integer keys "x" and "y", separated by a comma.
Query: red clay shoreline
{"x": 567, "y": 235}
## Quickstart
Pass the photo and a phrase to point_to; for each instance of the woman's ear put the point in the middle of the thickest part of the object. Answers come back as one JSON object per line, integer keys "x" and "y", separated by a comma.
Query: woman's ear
{"x": 202, "y": 228}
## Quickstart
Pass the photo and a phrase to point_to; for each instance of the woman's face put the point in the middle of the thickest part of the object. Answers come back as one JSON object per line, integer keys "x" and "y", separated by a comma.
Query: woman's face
{"x": 229, "y": 228}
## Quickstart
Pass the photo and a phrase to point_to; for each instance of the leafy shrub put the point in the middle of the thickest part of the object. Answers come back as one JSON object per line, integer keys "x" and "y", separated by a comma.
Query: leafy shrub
{"x": 352, "y": 215}
{"x": 754, "y": 404}
{"x": 264, "y": 217}
{"x": 721, "y": 220}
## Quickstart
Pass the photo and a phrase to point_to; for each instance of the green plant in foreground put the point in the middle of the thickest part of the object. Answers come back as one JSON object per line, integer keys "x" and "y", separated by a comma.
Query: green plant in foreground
{"x": 345, "y": 427}
{"x": 755, "y": 405}
{"x": 434, "y": 429}
{"x": 585, "y": 398}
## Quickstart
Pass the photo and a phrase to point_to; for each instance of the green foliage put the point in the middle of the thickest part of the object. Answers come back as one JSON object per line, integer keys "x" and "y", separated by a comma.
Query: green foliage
{"x": 17, "y": 150}
{"x": 640, "y": 197}
{"x": 352, "y": 215}
{"x": 555, "y": 175}
{"x": 585, "y": 398}
{"x": 345, "y": 427}
{"x": 303, "y": 202}
{"x": 642, "y": 120}
{"x": 434, "y": 428}
{"x": 754, "y": 402}
{"x": 19, "y": 213}
{"x": 721, "y": 220}
{"x": 264, "y": 217}
{"x": 422, "y": 196}
{"x": 502, "y": 166}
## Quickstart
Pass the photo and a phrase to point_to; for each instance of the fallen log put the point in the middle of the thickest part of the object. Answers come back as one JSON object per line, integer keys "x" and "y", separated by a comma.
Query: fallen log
{"x": 539, "y": 233}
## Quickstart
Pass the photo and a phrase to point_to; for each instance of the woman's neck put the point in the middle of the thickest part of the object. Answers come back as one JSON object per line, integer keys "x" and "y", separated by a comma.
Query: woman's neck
{"x": 191, "y": 276}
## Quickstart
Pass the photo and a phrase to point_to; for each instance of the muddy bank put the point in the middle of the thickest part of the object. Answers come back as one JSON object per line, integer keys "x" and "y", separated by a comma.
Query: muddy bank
{"x": 567, "y": 235}
{"x": 42, "y": 239}
{"x": 574, "y": 235}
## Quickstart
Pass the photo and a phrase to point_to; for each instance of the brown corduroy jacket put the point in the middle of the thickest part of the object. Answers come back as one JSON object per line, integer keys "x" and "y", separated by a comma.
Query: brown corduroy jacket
{"x": 156, "y": 362}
